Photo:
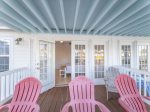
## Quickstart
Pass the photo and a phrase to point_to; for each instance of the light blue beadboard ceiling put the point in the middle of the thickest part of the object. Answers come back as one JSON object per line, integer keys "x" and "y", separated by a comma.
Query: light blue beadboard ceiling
{"x": 91, "y": 17}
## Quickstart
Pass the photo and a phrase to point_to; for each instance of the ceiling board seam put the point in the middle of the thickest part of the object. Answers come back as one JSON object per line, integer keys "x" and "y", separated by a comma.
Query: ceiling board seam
{"x": 92, "y": 9}
{"x": 48, "y": 10}
{"x": 11, "y": 6}
{"x": 101, "y": 15}
{"x": 63, "y": 14}
{"x": 34, "y": 11}
{"x": 114, "y": 16}
{"x": 126, "y": 17}
{"x": 76, "y": 14}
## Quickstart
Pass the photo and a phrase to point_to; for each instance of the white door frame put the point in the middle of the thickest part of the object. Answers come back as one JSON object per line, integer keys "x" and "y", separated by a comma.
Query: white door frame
{"x": 51, "y": 83}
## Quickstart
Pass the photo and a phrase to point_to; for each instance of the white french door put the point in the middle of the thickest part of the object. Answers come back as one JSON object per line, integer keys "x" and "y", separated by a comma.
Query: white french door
{"x": 45, "y": 63}
{"x": 89, "y": 59}
{"x": 98, "y": 62}
{"x": 142, "y": 56}
{"x": 79, "y": 58}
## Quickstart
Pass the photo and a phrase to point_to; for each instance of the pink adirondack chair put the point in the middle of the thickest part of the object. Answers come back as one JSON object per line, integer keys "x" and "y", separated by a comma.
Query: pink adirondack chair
{"x": 82, "y": 96}
{"x": 130, "y": 98}
{"x": 25, "y": 96}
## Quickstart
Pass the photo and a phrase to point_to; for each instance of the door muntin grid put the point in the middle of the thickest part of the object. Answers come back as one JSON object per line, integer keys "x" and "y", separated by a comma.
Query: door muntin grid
{"x": 4, "y": 55}
{"x": 80, "y": 60}
{"x": 143, "y": 57}
{"x": 126, "y": 55}
{"x": 99, "y": 61}
{"x": 44, "y": 58}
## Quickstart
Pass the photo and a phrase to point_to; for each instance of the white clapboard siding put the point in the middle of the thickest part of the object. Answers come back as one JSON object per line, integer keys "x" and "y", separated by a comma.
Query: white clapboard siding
{"x": 21, "y": 54}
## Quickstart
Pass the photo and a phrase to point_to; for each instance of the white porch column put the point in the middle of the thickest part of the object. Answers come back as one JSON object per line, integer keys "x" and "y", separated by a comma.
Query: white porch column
{"x": 135, "y": 63}
{"x": 110, "y": 52}
{"x": 113, "y": 52}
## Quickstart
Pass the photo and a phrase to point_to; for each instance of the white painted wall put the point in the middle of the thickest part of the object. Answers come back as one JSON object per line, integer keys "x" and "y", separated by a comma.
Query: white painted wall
{"x": 62, "y": 54}
{"x": 21, "y": 54}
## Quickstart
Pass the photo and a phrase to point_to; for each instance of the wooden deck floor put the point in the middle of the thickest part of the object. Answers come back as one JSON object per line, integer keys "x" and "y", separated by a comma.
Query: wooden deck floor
{"x": 54, "y": 99}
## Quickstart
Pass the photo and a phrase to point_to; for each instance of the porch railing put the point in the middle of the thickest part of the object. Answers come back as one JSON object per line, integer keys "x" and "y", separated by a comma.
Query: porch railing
{"x": 8, "y": 80}
{"x": 142, "y": 79}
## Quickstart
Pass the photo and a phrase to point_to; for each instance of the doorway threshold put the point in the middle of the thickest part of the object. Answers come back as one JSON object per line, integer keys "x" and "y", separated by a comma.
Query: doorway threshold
{"x": 63, "y": 85}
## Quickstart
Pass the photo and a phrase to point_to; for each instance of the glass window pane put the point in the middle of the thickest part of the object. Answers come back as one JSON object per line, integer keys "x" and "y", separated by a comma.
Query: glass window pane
{"x": 126, "y": 55}
{"x": 4, "y": 55}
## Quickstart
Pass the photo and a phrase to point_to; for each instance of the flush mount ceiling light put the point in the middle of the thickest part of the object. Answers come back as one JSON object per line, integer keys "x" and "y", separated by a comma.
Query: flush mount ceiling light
{"x": 61, "y": 41}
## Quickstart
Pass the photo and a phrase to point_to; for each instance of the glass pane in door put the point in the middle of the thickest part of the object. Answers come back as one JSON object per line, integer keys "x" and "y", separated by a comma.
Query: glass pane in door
{"x": 143, "y": 57}
{"x": 44, "y": 57}
{"x": 80, "y": 57}
{"x": 99, "y": 61}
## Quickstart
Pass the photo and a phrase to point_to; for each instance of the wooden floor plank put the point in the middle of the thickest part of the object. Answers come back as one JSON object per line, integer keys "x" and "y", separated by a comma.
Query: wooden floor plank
{"x": 59, "y": 101}
{"x": 54, "y": 99}
{"x": 47, "y": 102}
{"x": 112, "y": 103}
{"x": 42, "y": 97}
{"x": 63, "y": 98}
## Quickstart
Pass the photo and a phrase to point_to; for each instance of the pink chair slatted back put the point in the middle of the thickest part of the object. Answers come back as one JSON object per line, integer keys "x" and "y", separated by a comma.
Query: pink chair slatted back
{"x": 126, "y": 85}
{"x": 81, "y": 88}
{"x": 127, "y": 89}
{"x": 82, "y": 96}
{"x": 26, "y": 94}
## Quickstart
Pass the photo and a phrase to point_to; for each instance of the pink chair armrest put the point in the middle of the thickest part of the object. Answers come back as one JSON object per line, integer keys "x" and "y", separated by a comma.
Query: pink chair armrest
{"x": 102, "y": 107}
{"x": 125, "y": 106}
{"x": 66, "y": 107}
{"x": 148, "y": 98}
{"x": 4, "y": 106}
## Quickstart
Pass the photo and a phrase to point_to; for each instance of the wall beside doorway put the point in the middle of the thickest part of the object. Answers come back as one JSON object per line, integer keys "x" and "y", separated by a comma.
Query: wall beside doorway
{"x": 63, "y": 53}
